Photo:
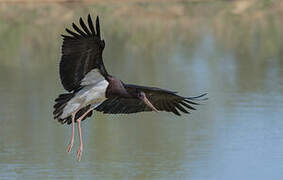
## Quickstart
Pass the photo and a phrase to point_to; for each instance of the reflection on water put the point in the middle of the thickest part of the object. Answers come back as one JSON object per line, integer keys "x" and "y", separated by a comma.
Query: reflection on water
{"x": 237, "y": 134}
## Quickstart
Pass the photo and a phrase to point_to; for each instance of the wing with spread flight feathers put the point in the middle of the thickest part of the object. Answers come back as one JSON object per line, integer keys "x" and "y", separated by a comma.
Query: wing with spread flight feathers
{"x": 162, "y": 100}
{"x": 81, "y": 52}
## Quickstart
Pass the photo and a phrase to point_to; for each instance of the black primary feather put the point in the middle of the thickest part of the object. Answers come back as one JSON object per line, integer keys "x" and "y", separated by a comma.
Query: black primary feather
{"x": 90, "y": 24}
{"x": 75, "y": 35}
{"x": 79, "y": 30}
{"x": 84, "y": 27}
{"x": 97, "y": 27}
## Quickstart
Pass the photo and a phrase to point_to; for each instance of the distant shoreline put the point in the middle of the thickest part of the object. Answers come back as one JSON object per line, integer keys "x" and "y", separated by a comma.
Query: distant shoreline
{"x": 97, "y": 1}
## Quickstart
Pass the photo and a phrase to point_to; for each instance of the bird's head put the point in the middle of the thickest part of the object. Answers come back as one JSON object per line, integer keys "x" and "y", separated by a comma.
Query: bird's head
{"x": 141, "y": 95}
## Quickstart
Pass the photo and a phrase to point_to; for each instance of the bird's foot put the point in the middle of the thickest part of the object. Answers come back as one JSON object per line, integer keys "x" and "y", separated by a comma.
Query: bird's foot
{"x": 70, "y": 146}
{"x": 79, "y": 153}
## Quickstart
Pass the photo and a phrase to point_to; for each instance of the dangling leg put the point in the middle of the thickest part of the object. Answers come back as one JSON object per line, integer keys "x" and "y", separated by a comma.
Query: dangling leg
{"x": 80, "y": 150}
{"x": 73, "y": 133}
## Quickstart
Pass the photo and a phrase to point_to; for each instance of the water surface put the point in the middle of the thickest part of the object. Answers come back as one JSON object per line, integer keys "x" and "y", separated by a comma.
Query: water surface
{"x": 231, "y": 52}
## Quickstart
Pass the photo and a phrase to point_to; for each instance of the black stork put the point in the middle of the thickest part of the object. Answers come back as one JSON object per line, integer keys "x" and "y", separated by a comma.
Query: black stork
{"x": 90, "y": 87}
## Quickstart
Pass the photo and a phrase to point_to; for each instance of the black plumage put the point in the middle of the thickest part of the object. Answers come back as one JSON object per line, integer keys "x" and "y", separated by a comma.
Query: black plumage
{"x": 161, "y": 99}
{"x": 81, "y": 52}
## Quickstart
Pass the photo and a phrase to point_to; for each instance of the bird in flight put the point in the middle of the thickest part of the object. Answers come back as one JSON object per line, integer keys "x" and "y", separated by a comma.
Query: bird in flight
{"x": 90, "y": 87}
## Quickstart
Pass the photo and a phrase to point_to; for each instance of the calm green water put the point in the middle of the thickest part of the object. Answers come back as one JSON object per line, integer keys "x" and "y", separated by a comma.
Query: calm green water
{"x": 236, "y": 57}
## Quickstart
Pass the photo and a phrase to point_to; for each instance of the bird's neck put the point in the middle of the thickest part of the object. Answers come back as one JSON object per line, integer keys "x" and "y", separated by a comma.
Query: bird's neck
{"x": 116, "y": 89}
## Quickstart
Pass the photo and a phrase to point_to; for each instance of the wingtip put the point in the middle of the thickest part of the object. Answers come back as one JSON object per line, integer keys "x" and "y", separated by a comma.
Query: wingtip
{"x": 81, "y": 20}
{"x": 98, "y": 27}
{"x": 89, "y": 17}
{"x": 63, "y": 35}
{"x": 90, "y": 24}
{"x": 97, "y": 21}
{"x": 198, "y": 97}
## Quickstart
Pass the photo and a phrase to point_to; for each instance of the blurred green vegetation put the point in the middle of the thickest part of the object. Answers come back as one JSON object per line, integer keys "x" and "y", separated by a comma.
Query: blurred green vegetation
{"x": 251, "y": 29}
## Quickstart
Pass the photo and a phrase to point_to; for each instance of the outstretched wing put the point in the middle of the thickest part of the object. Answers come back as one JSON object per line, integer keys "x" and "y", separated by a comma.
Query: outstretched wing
{"x": 162, "y": 100}
{"x": 81, "y": 52}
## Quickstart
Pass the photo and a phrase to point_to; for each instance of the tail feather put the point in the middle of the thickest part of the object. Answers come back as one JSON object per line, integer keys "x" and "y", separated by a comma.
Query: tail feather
{"x": 68, "y": 120}
{"x": 60, "y": 102}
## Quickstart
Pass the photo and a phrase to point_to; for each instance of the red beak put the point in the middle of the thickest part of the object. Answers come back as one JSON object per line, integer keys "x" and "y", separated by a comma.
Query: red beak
{"x": 147, "y": 102}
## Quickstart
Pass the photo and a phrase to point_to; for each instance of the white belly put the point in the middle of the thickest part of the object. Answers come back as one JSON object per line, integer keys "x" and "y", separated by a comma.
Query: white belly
{"x": 90, "y": 95}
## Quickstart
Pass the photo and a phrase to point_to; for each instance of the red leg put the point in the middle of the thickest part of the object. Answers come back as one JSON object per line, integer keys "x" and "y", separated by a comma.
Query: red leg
{"x": 80, "y": 150}
{"x": 73, "y": 133}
